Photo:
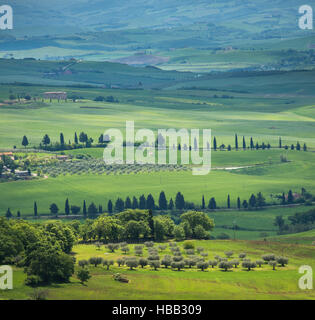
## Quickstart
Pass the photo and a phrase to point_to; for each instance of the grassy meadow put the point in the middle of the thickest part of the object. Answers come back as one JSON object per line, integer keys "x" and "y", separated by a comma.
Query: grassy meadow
{"x": 261, "y": 283}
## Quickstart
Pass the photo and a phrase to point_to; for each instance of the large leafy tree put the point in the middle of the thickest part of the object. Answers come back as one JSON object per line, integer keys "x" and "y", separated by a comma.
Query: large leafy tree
{"x": 195, "y": 219}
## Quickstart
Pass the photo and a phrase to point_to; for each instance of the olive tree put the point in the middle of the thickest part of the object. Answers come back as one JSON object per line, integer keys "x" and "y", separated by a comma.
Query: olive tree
{"x": 229, "y": 254}
{"x": 268, "y": 257}
{"x": 282, "y": 261}
{"x": 259, "y": 263}
{"x": 242, "y": 255}
{"x": 120, "y": 262}
{"x": 249, "y": 265}
{"x": 235, "y": 263}
{"x": 202, "y": 265}
{"x": 149, "y": 244}
{"x": 108, "y": 263}
{"x": 155, "y": 264}
{"x": 95, "y": 261}
{"x": 132, "y": 263}
{"x": 190, "y": 262}
{"x": 162, "y": 247}
{"x": 166, "y": 261}
{"x": 143, "y": 262}
{"x": 83, "y": 263}
{"x": 113, "y": 246}
{"x": 226, "y": 265}
{"x": 125, "y": 249}
{"x": 212, "y": 263}
{"x": 178, "y": 265}
{"x": 273, "y": 264}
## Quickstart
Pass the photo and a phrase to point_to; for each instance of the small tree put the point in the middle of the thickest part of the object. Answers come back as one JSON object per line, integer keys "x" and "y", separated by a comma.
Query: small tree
{"x": 83, "y": 263}
{"x": 166, "y": 261}
{"x": 202, "y": 265}
{"x": 242, "y": 255}
{"x": 225, "y": 265}
{"x": 268, "y": 257}
{"x": 54, "y": 208}
{"x": 178, "y": 265}
{"x": 25, "y": 142}
{"x": 132, "y": 263}
{"x": 113, "y": 246}
{"x": 155, "y": 264}
{"x": 229, "y": 254}
{"x": 120, "y": 262}
{"x": 108, "y": 263}
{"x": 282, "y": 261}
{"x": 249, "y": 265}
{"x": 143, "y": 262}
{"x": 259, "y": 263}
{"x": 273, "y": 264}
{"x": 235, "y": 263}
{"x": 212, "y": 263}
{"x": 125, "y": 249}
{"x": 83, "y": 275}
{"x": 95, "y": 261}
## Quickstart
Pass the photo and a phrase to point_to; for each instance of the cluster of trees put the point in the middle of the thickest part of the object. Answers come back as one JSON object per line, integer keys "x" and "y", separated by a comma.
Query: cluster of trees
{"x": 80, "y": 141}
{"x": 43, "y": 250}
{"x": 299, "y": 222}
{"x": 138, "y": 225}
{"x": 179, "y": 259}
{"x": 252, "y": 145}
{"x": 106, "y": 99}
{"x": 92, "y": 210}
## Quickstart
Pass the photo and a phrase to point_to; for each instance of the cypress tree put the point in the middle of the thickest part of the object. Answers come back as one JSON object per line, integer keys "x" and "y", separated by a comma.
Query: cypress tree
{"x": 128, "y": 204}
{"x": 142, "y": 202}
{"x": 214, "y": 144}
{"x": 280, "y": 143}
{"x": 110, "y": 206}
{"x": 25, "y": 142}
{"x": 9, "y": 214}
{"x": 290, "y": 197}
{"x": 238, "y": 203}
{"x": 76, "y": 141}
{"x": 135, "y": 204}
{"x": 151, "y": 222}
{"x": 304, "y": 147}
{"x": 162, "y": 201}
{"x": 179, "y": 201}
{"x": 84, "y": 208}
{"x": 203, "y": 204}
{"x": 236, "y": 142}
{"x": 298, "y": 146}
{"x": 212, "y": 204}
{"x": 150, "y": 202}
{"x": 252, "y": 201}
{"x": 251, "y": 143}
{"x": 244, "y": 143}
{"x": 19, "y": 214}
{"x": 228, "y": 202}
{"x": 119, "y": 205}
{"x": 35, "y": 209}
{"x": 62, "y": 139}
{"x": 100, "y": 209}
{"x": 67, "y": 207}
{"x": 171, "y": 204}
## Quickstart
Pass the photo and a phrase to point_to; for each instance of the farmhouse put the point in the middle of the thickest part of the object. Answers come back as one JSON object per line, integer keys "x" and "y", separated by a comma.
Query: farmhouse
{"x": 55, "y": 95}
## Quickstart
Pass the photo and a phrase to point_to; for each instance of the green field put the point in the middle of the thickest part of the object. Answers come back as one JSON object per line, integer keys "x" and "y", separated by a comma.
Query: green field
{"x": 261, "y": 283}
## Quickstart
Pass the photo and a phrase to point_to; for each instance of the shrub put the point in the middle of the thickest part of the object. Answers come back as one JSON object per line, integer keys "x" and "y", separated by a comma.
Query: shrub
{"x": 202, "y": 265}
{"x": 242, "y": 255}
{"x": 162, "y": 247}
{"x": 212, "y": 263}
{"x": 249, "y": 265}
{"x": 189, "y": 245}
{"x": 190, "y": 252}
{"x": 223, "y": 236}
{"x": 149, "y": 244}
{"x": 225, "y": 265}
{"x": 32, "y": 281}
{"x": 83, "y": 275}
{"x": 39, "y": 294}
{"x": 200, "y": 249}
{"x": 282, "y": 261}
